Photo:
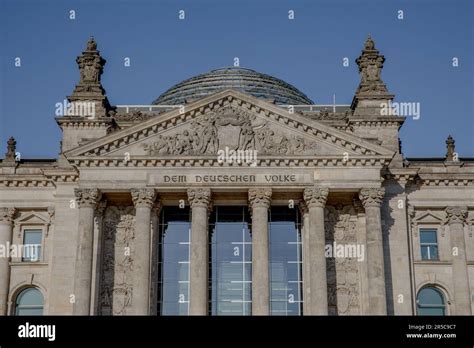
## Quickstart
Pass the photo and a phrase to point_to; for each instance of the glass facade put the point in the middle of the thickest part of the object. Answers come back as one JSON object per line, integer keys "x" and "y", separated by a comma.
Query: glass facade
{"x": 173, "y": 258}
{"x": 29, "y": 302}
{"x": 230, "y": 261}
{"x": 428, "y": 244}
{"x": 285, "y": 261}
{"x": 430, "y": 301}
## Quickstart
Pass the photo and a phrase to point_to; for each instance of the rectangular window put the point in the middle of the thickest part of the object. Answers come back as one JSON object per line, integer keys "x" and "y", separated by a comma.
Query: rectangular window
{"x": 285, "y": 261}
{"x": 429, "y": 244}
{"x": 173, "y": 261}
{"x": 230, "y": 261}
{"x": 31, "y": 251}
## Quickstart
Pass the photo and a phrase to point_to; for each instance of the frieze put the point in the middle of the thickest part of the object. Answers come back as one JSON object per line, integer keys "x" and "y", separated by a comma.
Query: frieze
{"x": 231, "y": 179}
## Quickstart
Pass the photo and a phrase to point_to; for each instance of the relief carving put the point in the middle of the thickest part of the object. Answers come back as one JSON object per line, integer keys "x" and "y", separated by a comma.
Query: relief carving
{"x": 116, "y": 292}
{"x": 229, "y": 127}
{"x": 342, "y": 273}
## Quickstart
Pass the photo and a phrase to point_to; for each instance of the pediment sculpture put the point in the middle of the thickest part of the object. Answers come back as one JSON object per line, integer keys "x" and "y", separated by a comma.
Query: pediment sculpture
{"x": 229, "y": 127}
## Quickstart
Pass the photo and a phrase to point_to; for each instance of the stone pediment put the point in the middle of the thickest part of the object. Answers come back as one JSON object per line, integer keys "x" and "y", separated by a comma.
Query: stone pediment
{"x": 228, "y": 120}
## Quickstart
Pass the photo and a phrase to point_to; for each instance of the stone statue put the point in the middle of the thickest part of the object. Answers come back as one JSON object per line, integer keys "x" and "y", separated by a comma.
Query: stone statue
{"x": 11, "y": 149}
{"x": 370, "y": 64}
{"x": 450, "y": 149}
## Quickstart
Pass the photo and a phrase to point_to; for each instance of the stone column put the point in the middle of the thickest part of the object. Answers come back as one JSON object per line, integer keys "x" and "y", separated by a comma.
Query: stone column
{"x": 456, "y": 218}
{"x": 259, "y": 202}
{"x": 315, "y": 198}
{"x": 6, "y": 230}
{"x": 143, "y": 199}
{"x": 155, "y": 219}
{"x": 97, "y": 257}
{"x": 363, "y": 266}
{"x": 306, "y": 257}
{"x": 87, "y": 200}
{"x": 199, "y": 199}
{"x": 372, "y": 198}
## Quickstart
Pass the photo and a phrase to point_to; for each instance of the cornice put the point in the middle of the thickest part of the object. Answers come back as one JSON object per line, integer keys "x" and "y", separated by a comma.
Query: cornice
{"x": 211, "y": 161}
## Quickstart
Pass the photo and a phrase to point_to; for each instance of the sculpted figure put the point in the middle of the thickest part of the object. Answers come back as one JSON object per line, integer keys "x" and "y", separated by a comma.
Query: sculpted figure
{"x": 182, "y": 143}
{"x": 300, "y": 146}
{"x": 247, "y": 137}
{"x": 195, "y": 138}
{"x": 209, "y": 136}
{"x": 284, "y": 145}
{"x": 265, "y": 139}
{"x": 158, "y": 147}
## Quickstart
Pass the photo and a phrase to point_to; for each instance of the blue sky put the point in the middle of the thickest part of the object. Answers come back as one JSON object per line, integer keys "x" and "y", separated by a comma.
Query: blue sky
{"x": 306, "y": 52}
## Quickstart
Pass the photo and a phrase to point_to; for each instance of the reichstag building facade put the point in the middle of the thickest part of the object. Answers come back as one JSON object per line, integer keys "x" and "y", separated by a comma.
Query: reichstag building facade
{"x": 233, "y": 193}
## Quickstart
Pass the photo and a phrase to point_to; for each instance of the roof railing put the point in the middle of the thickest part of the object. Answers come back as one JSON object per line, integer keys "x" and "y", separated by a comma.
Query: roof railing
{"x": 303, "y": 108}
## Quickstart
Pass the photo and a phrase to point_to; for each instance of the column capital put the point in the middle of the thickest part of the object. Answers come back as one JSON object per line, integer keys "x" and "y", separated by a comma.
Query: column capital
{"x": 7, "y": 215}
{"x": 143, "y": 197}
{"x": 87, "y": 197}
{"x": 315, "y": 196}
{"x": 456, "y": 215}
{"x": 260, "y": 197}
{"x": 199, "y": 197}
{"x": 371, "y": 197}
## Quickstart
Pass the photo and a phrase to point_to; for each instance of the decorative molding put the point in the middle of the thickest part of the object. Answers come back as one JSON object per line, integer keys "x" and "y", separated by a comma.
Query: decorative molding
{"x": 453, "y": 181}
{"x": 143, "y": 197}
{"x": 212, "y": 161}
{"x": 133, "y": 116}
{"x": 199, "y": 197}
{"x": 372, "y": 197}
{"x": 259, "y": 197}
{"x": 7, "y": 215}
{"x": 315, "y": 196}
{"x": 83, "y": 123}
{"x": 456, "y": 215}
{"x": 25, "y": 181}
{"x": 87, "y": 197}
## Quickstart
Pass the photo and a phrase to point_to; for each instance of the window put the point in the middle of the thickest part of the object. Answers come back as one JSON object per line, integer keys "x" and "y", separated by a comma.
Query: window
{"x": 428, "y": 244}
{"x": 230, "y": 261}
{"x": 173, "y": 267}
{"x": 430, "y": 301}
{"x": 285, "y": 261}
{"x": 32, "y": 245}
{"x": 29, "y": 302}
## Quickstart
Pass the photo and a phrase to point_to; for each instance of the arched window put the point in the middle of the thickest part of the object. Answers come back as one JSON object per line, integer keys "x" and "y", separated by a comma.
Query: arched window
{"x": 29, "y": 302}
{"x": 430, "y": 301}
